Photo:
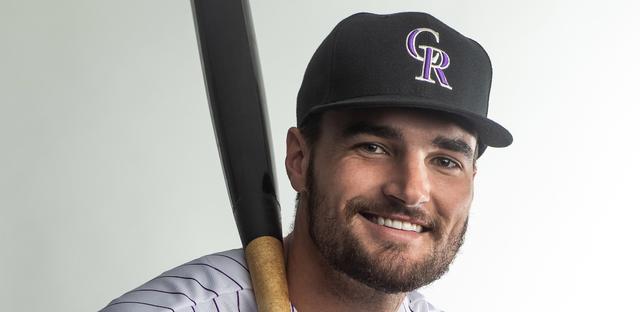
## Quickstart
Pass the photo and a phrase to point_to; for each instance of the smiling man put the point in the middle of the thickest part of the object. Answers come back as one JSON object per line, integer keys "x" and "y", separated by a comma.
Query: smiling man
{"x": 392, "y": 116}
{"x": 391, "y": 120}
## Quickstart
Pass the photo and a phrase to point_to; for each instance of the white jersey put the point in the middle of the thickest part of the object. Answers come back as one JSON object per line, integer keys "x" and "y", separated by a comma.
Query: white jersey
{"x": 218, "y": 282}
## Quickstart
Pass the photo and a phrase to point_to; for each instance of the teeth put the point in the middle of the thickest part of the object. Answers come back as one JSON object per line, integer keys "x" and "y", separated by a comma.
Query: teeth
{"x": 397, "y": 224}
{"x": 408, "y": 226}
{"x": 400, "y": 225}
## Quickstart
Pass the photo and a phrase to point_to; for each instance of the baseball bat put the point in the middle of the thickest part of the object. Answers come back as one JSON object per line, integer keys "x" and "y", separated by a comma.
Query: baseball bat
{"x": 236, "y": 101}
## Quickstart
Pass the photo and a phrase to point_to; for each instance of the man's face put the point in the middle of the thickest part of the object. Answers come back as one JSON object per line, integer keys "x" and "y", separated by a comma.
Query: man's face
{"x": 389, "y": 195}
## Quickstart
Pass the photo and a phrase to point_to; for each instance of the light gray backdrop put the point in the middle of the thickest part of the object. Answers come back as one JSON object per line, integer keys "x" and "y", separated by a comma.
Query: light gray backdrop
{"x": 109, "y": 172}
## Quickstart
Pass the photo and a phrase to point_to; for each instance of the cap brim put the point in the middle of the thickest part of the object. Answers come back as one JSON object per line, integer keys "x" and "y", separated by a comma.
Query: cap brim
{"x": 489, "y": 132}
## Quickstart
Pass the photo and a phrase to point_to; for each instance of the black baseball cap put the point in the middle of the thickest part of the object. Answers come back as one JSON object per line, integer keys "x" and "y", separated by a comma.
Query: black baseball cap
{"x": 407, "y": 60}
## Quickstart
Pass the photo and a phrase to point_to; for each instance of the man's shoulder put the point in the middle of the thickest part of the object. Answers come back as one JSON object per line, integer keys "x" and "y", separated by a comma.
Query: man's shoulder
{"x": 216, "y": 282}
{"x": 416, "y": 302}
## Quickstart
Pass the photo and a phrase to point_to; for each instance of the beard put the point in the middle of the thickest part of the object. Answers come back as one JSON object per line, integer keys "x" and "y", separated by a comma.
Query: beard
{"x": 385, "y": 269}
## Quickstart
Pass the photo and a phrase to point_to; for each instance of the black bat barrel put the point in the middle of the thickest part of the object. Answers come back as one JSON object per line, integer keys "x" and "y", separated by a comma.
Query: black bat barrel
{"x": 236, "y": 101}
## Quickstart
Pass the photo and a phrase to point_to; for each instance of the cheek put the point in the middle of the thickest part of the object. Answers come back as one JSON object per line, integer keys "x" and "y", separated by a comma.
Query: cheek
{"x": 345, "y": 179}
{"x": 453, "y": 199}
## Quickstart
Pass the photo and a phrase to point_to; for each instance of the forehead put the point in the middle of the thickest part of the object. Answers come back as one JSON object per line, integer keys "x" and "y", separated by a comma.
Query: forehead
{"x": 415, "y": 122}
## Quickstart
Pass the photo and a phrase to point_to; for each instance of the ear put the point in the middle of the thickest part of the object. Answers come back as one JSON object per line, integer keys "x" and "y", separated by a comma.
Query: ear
{"x": 297, "y": 161}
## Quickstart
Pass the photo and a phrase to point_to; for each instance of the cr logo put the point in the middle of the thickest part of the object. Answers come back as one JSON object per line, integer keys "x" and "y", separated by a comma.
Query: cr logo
{"x": 432, "y": 58}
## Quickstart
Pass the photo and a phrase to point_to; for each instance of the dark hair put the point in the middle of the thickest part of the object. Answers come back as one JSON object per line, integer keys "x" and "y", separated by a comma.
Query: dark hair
{"x": 310, "y": 129}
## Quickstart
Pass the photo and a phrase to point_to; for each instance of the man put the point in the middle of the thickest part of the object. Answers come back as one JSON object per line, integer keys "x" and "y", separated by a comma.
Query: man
{"x": 391, "y": 119}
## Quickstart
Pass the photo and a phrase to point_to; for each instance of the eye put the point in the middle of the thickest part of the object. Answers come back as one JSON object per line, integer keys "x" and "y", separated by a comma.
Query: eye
{"x": 446, "y": 163}
{"x": 372, "y": 148}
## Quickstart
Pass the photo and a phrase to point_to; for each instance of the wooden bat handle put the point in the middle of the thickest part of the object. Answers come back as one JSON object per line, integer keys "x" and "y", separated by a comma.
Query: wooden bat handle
{"x": 265, "y": 257}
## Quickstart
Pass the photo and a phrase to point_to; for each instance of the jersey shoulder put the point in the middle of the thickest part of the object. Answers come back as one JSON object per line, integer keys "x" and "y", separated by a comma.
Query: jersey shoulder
{"x": 216, "y": 282}
{"x": 416, "y": 302}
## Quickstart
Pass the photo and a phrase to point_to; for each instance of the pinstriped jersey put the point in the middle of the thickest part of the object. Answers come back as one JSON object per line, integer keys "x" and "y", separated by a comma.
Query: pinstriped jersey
{"x": 218, "y": 282}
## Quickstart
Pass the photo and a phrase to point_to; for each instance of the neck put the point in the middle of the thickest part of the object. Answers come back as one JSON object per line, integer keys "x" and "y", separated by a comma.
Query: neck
{"x": 315, "y": 286}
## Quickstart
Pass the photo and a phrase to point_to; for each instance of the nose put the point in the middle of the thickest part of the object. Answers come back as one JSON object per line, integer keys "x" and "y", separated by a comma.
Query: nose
{"x": 409, "y": 183}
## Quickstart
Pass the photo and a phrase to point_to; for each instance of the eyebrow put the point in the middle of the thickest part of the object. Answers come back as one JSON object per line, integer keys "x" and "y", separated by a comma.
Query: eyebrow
{"x": 455, "y": 145}
{"x": 386, "y": 132}
{"x": 359, "y": 128}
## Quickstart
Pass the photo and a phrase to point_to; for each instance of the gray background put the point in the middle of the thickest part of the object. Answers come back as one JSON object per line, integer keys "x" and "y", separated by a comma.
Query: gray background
{"x": 109, "y": 172}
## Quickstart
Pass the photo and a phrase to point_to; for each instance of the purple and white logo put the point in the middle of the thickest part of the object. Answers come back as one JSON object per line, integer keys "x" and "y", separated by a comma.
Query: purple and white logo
{"x": 433, "y": 59}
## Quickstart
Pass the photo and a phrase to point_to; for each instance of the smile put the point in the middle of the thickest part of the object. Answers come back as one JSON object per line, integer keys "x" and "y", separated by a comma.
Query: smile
{"x": 393, "y": 223}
